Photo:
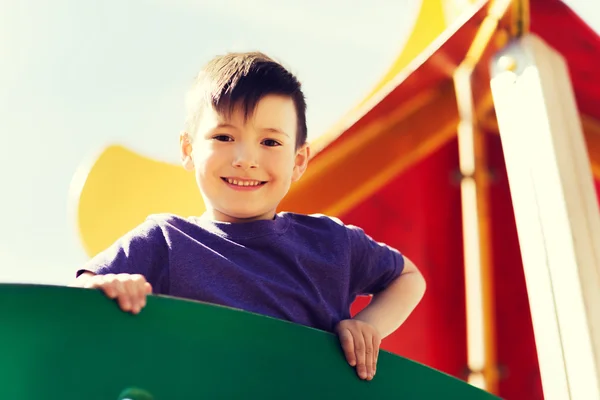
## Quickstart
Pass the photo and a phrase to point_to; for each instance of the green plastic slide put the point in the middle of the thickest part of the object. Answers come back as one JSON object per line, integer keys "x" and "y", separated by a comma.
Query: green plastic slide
{"x": 61, "y": 343}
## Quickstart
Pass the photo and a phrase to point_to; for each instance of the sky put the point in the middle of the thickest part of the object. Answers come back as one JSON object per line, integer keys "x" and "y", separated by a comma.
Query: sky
{"x": 76, "y": 76}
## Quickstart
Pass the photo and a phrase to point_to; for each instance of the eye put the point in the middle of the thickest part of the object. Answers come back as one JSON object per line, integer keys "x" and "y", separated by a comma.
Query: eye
{"x": 223, "y": 138}
{"x": 271, "y": 143}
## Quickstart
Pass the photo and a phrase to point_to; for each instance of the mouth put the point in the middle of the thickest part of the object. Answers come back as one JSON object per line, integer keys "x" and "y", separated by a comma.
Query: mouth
{"x": 243, "y": 183}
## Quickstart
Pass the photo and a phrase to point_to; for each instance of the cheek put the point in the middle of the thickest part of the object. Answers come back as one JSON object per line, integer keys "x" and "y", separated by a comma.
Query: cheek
{"x": 207, "y": 159}
{"x": 281, "y": 164}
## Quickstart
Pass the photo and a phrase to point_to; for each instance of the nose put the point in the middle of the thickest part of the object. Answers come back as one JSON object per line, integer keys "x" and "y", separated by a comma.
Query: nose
{"x": 245, "y": 157}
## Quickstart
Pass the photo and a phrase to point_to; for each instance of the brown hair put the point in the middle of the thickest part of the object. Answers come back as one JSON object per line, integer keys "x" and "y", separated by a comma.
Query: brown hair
{"x": 243, "y": 79}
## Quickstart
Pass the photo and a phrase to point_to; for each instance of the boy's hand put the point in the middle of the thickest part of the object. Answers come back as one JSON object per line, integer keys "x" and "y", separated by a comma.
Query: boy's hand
{"x": 130, "y": 291}
{"x": 360, "y": 342}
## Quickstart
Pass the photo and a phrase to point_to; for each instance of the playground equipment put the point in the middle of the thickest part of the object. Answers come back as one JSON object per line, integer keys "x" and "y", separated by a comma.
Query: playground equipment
{"x": 62, "y": 343}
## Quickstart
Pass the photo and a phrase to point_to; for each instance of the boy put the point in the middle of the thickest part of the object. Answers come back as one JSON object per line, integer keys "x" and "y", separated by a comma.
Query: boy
{"x": 245, "y": 140}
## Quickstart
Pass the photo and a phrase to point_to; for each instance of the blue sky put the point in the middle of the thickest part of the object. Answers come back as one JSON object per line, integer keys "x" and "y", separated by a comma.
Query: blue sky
{"x": 79, "y": 75}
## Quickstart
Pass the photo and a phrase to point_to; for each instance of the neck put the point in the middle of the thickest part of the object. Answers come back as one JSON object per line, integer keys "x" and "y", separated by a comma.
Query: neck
{"x": 219, "y": 216}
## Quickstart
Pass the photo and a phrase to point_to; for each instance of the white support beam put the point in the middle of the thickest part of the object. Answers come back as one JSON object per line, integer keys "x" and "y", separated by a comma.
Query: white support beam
{"x": 556, "y": 211}
{"x": 478, "y": 268}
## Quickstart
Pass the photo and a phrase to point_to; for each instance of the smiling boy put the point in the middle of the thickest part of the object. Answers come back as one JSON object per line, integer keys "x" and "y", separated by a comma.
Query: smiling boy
{"x": 245, "y": 141}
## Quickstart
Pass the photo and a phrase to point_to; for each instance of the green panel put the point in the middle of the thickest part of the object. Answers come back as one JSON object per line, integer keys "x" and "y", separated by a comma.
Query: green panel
{"x": 60, "y": 343}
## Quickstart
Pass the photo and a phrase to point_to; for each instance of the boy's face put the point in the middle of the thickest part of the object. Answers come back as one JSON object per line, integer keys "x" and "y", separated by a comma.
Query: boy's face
{"x": 244, "y": 168}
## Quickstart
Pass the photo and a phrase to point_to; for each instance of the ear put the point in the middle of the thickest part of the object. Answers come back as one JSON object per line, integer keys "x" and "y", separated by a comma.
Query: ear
{"x": 185, "y": 144}
{"x": 300, "y": 162}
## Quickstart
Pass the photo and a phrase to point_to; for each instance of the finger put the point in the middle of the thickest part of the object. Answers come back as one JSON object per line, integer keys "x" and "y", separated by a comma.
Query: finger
{"x": 146, "y": 290}
{"x": 123, "y": 296}
{"x": 368, "y": 338}
{"x": 376, "y": 346}
{"x": 110, "y": 290}
{"x": 142, "y": 293}
{"x": 347, "y": 342}
{"x": 359, "y": 350}
{"x": 107, "y": 284}
{"x": 131, "y": 288}
{"x": 139, "y": 291}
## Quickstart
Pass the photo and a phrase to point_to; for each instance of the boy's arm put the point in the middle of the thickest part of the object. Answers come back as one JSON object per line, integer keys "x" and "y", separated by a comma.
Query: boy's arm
{"x": 391, "y": 307}
{"x": 361, "y": 336}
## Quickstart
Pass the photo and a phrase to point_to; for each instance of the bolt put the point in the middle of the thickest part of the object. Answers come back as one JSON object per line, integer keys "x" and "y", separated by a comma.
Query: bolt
{"x": 507, "y": 63}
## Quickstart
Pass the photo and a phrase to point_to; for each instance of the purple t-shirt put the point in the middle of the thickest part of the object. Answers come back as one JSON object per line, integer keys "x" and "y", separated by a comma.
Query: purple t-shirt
{"x": 307, "y": 269}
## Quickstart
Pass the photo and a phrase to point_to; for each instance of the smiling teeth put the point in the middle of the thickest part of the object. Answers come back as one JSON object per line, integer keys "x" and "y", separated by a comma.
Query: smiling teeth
{"x": 243, "y": 183}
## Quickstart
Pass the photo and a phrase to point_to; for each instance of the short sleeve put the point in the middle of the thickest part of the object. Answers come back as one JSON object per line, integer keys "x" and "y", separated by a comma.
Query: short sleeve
{"x": 142, "y": 251}
{"x": 374, "y": 265}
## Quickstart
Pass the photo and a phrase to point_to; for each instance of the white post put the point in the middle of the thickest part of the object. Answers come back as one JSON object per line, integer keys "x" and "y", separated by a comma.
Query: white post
{"x": 556, "y": 211}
